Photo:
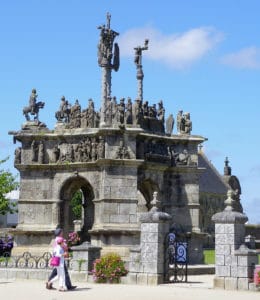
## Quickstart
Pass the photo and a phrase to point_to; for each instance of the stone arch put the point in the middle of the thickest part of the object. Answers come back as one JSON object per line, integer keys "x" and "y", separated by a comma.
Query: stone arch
{"x": 68, "y": 189}
{"x": 146, "y": 188}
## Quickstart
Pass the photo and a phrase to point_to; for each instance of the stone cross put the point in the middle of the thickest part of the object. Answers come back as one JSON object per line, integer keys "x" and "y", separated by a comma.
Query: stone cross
{"x": 105, "y": 55}
{"x": 140, "y": 74}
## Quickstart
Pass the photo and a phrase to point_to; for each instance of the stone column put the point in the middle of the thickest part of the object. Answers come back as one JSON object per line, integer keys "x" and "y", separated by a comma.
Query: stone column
{"x": 105, "y": 92}
{"x": 147, "y": 262}
{"x": 140, "y": 77}
{"x": 234, "y": 260}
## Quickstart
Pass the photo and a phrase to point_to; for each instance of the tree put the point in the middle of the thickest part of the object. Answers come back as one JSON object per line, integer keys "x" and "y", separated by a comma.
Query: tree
{"x": 7, "y": 184}
{"x": 76, "y": 204}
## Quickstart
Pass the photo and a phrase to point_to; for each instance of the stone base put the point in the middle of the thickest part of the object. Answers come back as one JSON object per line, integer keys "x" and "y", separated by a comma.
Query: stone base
{"x": 143, "y": 279}
{"x": 40, "y": 274}
{"x": 219, "y": 283}
{"x": 233, "y": 283}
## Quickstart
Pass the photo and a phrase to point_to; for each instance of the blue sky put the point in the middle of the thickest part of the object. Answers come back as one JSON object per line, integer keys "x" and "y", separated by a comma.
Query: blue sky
{"x": 203, "y": 57}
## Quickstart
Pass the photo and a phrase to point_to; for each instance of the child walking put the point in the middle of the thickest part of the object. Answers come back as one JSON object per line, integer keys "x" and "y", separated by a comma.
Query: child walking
{"x": 59, "y": 252}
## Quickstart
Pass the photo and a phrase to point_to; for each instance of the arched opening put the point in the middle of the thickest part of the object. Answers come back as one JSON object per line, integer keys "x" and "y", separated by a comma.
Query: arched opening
{"x": 67, "y": 215}
{"x": 146, "y": 189}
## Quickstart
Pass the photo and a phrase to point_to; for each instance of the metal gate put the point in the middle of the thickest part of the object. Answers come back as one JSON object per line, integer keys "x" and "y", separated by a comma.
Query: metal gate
{"x": 176, "y": 258}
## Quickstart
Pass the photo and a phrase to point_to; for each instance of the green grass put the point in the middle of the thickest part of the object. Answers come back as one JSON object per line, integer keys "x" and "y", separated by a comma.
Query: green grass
{"x": 209, "y": 257}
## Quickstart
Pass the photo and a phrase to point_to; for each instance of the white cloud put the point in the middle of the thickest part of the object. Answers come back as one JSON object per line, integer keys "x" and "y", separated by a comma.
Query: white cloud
{"x": 176, "y": 50}
{"x": 247, "y": 58}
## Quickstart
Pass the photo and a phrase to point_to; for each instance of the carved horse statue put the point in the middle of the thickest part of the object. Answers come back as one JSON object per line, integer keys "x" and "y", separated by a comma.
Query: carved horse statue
{"x": 34, "y": 112}
{"x": 63, "y": 115}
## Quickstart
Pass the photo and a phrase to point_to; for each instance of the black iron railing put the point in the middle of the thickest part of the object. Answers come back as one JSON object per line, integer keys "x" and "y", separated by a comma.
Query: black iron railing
{"x": 27, "y": 261}
{"x": 176, "y": 258}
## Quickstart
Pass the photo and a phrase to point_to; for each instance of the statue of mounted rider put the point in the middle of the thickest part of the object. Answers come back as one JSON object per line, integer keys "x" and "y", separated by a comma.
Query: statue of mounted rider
{"x": 33, "y": 107}
{"x": 63, "y": 114}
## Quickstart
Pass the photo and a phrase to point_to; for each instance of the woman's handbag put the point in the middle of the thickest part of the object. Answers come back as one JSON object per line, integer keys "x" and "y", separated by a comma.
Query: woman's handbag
{"x": 55, "y": 261}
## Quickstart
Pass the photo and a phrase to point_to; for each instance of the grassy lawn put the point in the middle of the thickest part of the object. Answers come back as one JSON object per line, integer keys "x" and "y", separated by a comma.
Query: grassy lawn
{"x": 209, "y": 257}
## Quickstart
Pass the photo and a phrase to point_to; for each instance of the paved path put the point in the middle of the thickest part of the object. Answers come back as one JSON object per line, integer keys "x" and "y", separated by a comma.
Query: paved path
{"x": 198, "y": 288}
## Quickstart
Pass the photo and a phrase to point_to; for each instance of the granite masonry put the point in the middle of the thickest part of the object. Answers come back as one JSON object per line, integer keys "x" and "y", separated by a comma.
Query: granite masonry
{"x": 235, "y": 260}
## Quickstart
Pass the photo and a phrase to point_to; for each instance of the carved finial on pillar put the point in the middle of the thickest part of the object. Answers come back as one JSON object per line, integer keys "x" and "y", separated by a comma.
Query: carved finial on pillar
{"x": 229, "y": 201}
{"x": 155, "y": 203}
{"x": 227, "y": 168}
{"x": 155, "y": 215}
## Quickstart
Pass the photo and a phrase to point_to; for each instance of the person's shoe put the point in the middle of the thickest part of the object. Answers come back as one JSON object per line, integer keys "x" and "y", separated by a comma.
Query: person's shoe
{"x": 48, "y": 285}
{"x": 73, "y": 287}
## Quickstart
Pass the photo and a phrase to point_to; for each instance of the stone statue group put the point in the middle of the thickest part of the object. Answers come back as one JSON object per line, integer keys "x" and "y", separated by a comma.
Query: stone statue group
{"x": 139, "y": 113}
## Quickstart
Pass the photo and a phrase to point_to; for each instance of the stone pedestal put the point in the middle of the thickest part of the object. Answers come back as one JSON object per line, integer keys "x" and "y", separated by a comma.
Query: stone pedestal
{"x": 83, "y": 257}
{"x": 147, "y": 261}
{"x": 234, "y": 260}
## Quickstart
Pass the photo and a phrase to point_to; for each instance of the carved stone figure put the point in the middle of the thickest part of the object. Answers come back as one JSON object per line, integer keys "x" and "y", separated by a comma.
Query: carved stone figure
{"x": 113, "y": 110}
{"x": 63, "y": 114}
{"x": 152, "y": 112}
{"x": 187, "y": 123}
{"x": 33, "y": 107}
{"x": 75, "y": 115}
{"x": 78, "y": 152}
{"x": 87, "y": 150}
{"x": 105, "y": 46}
{"x": 161, "y": 112}
{"x": 180, "y": 127}
{"x": 90, "y": 114}
{"x": 121, "y": 111}
{"x": 34, "y": 148}
{"x": 145, "y": 109}
{"x": 97, "y": 119}
{"x": 18, "y": 155}
{"x": 169, "y": 124}
{"x": 156, "y": 151}
{"x": 83, "y": 118}
{"x": 129, "y": 112}
{"x": 70, "y": 153}
{"x": 32, "y": 101}
{"x": 101, "y": 148}
{"x": 41, "y": 153}
{"x": 122, "y": 152}
{"x": 137, "y": 112}
{"x": 138, "y": 53}
{"x": 94, "y": 145}
{"x": 173, "y": 155}
{"x": 183, "y": 158}
{"x": 56, "y": 153}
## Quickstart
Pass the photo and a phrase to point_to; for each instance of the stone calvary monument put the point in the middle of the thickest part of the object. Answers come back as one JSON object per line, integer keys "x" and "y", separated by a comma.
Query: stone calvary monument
{"x": 118, "y": 156}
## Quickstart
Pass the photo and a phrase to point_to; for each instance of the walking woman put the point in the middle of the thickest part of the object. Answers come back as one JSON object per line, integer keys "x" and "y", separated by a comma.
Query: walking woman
{"x": 59, "y": 252}
{"x": 59, "y": 233}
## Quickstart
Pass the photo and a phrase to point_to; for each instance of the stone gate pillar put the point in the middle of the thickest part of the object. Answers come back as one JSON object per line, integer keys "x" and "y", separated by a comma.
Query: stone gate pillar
{"x": 234, "y": 260}
{"x": 147, "y": 261}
